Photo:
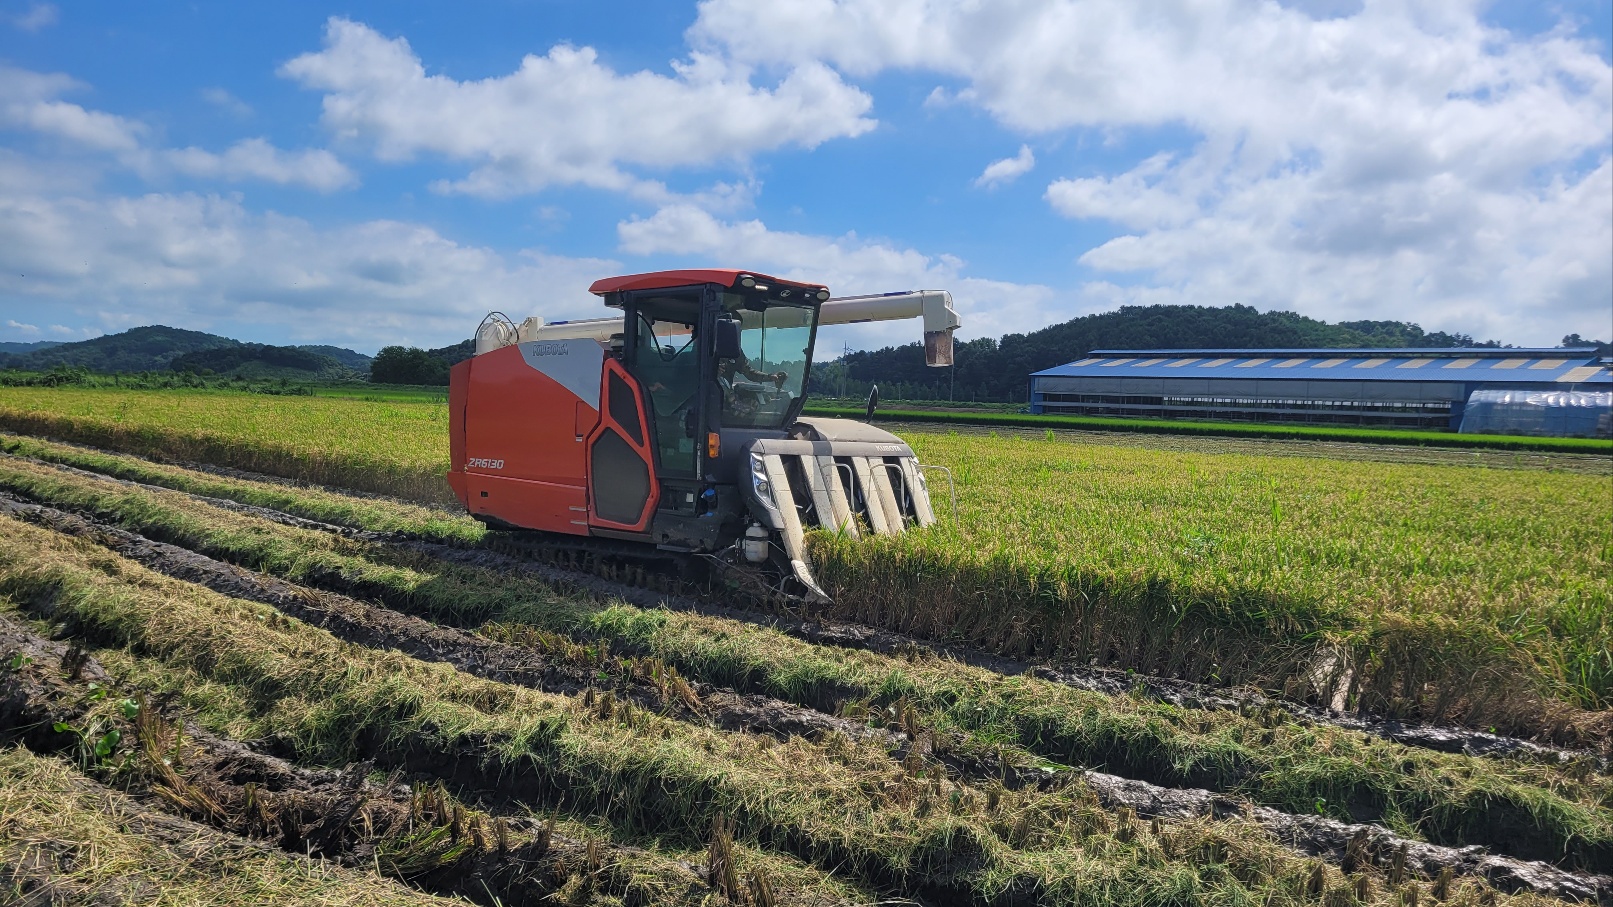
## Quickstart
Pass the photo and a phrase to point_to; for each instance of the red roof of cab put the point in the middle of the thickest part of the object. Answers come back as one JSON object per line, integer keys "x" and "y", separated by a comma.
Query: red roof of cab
{"x": 656, "y": 280}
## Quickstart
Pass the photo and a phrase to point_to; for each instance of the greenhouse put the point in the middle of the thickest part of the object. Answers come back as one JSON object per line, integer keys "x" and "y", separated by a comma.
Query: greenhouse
{"x": 1571, "y": 414}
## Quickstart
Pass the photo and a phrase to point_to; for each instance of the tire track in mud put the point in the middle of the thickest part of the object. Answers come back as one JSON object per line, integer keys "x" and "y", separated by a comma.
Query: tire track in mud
{"x": 1180, "y": 693}
{"x": 384, "y": 628}
{"x": 226, "y": 786}
{"x": 1353, "y": 846}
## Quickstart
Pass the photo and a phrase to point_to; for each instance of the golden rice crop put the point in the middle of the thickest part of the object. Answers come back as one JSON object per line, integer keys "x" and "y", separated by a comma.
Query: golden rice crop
{"x": 1183, "y": 562}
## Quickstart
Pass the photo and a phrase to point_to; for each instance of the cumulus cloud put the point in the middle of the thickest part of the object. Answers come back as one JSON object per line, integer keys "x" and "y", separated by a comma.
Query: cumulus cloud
{"x": 38, "y": 16}
{"x": 32, "y": 103}
{"x": 227, "y": 102}
{"x": 1008, "y": 169}
{"x": 564, "y": 118}
{"x": 1337, "y": 151}
{"x": 257, "y": 159}
{"x": 1134, "y": 199}
{"x": 24, "y": 329}
{"x": 205, "y": 261}
{"x": 848, "y": 265}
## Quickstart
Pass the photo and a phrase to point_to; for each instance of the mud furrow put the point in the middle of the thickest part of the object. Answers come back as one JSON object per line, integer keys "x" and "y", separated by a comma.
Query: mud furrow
{"x": 377, "y": 627}
{"x": 1184, "y": 694}
{"x": 341, "y": 816}
{"x": 1352, "y": 846}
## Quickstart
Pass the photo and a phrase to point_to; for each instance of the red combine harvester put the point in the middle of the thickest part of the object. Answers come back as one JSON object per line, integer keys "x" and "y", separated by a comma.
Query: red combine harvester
{"x": 677, "y": 424}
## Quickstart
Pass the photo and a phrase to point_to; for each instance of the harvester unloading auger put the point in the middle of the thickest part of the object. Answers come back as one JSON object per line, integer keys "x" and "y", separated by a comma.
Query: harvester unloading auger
{"x": 677, "y": 424}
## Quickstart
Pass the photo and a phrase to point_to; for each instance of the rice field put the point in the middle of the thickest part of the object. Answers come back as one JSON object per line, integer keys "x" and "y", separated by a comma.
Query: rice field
{"x": 537, "y": 745}
{"x": 1447, "y": 592}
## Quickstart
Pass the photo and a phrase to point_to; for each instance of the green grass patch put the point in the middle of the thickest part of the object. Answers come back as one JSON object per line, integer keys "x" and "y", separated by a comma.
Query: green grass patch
{"x": 1227, "y": 429}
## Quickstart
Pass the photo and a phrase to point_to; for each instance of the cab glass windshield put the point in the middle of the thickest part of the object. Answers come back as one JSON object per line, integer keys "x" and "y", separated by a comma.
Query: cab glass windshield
{"x": 760, "y": 387}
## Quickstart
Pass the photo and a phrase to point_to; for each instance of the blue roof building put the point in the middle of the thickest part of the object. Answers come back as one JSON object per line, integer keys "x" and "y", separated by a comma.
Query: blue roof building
{"x": 1408, "y": 388}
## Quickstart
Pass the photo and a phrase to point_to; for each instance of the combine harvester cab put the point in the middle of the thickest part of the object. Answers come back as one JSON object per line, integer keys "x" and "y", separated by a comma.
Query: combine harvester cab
{"x": 677, "y": 424}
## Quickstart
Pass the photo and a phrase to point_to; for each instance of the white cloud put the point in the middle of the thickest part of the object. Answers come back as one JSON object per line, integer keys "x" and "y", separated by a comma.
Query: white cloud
{"x": 1133, "y": 199}
{"x": 227, "y": 102}
{"x": 204, "y": 261}
{"x": 19, "y": 327}
{"x": 257, "y": 159}
{"x": 1373, "y": 159}
{"x": 848, "y": 265}
{"x": 38, "y": 16}
{"x": 1008, "y": 169}
{"x": 564, "y": 118}
{"x": 31, "y": 103}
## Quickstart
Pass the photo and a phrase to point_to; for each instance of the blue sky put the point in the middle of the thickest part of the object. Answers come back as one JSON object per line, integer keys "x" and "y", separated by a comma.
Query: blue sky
{"x": 376, "y": 173}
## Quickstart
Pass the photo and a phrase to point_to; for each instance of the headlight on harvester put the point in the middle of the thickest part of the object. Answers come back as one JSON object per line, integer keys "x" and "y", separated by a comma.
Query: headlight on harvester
{"x": 762, "y": 490}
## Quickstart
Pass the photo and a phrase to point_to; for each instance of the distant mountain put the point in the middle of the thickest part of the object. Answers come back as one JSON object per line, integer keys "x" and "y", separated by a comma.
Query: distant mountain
{"x": 257, "y": 360}
{"x": 13, "y": 347}
{"x": 455, "y": 353}
{"x": 358, "y": 362}
{"x": 990, "y": 369}
{"x": 135, "y": 350}
{"x": 161, "y": 348}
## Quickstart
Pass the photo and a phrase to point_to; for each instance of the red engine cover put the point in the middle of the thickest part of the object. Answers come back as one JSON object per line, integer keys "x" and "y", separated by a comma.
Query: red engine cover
{"x": 522, "y": 422}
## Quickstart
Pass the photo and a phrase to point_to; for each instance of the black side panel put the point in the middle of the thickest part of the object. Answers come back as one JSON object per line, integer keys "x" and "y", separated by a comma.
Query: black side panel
{"x": 621, "y": 481}
{"x": 623, "y": 407}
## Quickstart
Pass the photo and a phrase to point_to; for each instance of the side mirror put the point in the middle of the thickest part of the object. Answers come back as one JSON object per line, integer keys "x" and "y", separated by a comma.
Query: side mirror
{"x": 728, "y": 339}
{"x": 873, "y": 401}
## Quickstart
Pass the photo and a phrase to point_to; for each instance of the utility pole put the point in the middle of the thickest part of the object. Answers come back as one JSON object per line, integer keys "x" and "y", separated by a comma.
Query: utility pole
{"x": 845, "y": 352}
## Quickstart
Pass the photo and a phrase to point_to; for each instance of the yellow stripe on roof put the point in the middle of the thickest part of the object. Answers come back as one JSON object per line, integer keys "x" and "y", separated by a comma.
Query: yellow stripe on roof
{"x": 1146, "y": 362}
{"x": 1415, "y": 363}
{"x": 1118, "y": 362}
{"x": 1459, "y": 363}
{"x": 1550, "y": 363}
{"x": 1583, "y": 373}
{"x": 1290, "y": 363}
{"x": 1181, "y": 362}
{"x": 1252, "y": 363}
{"x": 1509, "y": 363}
{"x": 1213, "y": 363}
{"x": 1371, "y": 363}
{"x": 1088, "y": 361}
{"x": 1329, "y": 363}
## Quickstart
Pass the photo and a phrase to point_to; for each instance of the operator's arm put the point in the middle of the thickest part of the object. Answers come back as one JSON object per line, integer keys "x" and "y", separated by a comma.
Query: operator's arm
{"x": 756, "y": 374}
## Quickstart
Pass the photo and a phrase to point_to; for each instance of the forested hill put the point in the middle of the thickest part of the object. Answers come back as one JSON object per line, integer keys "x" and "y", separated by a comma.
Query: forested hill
{"x": 161, "y": 348}
{"x": 996, "y": 370}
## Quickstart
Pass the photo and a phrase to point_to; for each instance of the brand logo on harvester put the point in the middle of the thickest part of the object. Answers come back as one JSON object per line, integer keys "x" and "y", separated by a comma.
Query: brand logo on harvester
{"x": 484, "y": 463}
{"x": 549, "y": 348}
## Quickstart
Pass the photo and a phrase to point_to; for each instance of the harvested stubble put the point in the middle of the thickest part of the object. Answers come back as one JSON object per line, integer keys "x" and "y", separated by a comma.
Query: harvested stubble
{"x": 1523, "y": 809}
{"x": 67, "y": 840}
{"x": 260, "y": 674}
{"x": 63, "y": 700}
